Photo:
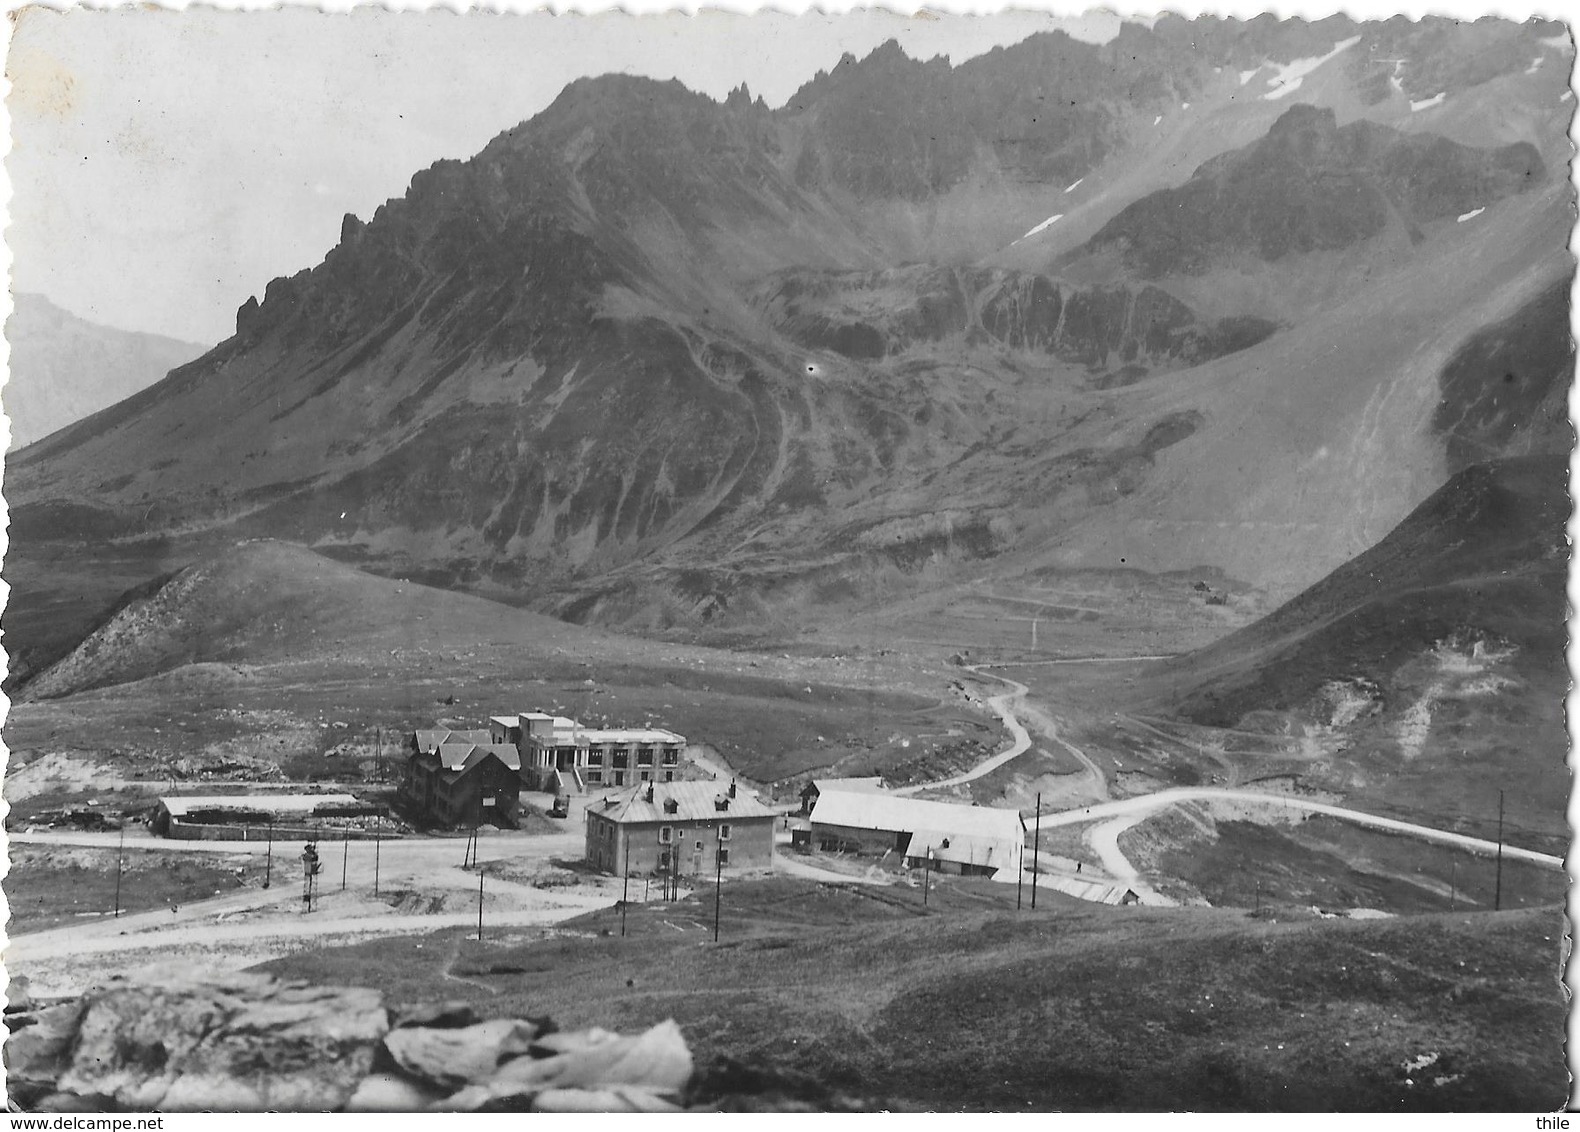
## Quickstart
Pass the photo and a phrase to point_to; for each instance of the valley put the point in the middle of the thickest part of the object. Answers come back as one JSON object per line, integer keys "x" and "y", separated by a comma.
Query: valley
{"x": 1164, "y": 440}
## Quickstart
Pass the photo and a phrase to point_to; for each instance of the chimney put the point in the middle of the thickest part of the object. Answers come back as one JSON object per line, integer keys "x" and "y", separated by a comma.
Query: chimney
{"x": 732, "y": 788}
{"x": 649, "y": 791}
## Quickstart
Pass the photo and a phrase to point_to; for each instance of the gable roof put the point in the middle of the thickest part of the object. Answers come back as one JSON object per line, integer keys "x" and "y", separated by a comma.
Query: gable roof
{"x": 462, "y": 757}
{"x": 873, "y": 785}
{"x": 891, "y": 812}
{"x": 963, "y": 849}
{"x": 433, "y": 738}
{"x": 694, "y": 802}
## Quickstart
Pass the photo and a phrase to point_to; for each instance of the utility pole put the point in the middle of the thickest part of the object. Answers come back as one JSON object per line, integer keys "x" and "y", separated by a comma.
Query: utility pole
{"x": 1497, "y": 892}
{"x": 1020, "y": 868}
{"x": 1036, "y": 852}
{"x": 378, "y": 830}
{"x": 625, "y": 897}
{"x": 268, "y": 857}
{"x": 718, "y": 881}
{"x": 479, "y": 903}
{"x": 378, "y": 753}
{"x": 927, "y": 873}
{"x": 345, "y": 853}
{"x": 120, "y": 855}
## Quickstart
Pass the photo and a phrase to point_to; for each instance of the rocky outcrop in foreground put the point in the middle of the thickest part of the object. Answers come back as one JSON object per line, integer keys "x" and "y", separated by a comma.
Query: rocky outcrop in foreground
{"x": 246, "y": 1042}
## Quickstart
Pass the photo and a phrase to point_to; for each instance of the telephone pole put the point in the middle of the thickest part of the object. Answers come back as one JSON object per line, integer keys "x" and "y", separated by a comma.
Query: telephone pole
{"x": 1020, "y": 868}
{"x": 120, "y": 855}
{"x": 1497, "y": 892}
{"x": 479, "y": 903}
{"x": 718, "y": 883}
{"x": 378, "y": 830}
{"x": 268, "y": 858}
{"x": 625, "y": 898}
{"x": 345, "y": 853}
{"x": 1036, "y": 852}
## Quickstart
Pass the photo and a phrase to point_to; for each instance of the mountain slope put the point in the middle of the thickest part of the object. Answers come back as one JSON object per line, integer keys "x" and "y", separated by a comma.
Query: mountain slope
{"x": 1429, "y": 668}
{"x": 63, "y": 367}
{"x": 662, "y": 360}
{"x": 1310, "y": 186}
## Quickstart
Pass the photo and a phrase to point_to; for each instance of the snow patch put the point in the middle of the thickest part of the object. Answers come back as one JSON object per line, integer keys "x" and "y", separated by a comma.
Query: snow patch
{"x": 1556, "y": 42}
{"x": 1075, "y": 186}
{"x": 1536, "y": 65}
{"x": 1428, "y": 103}
{"x": 1184, "y": 106}
{"x": 1291, "y": 74}
{"x": 1040, "y": 227}
{"x": 1247, "y": 76}
{"x": 1158, "y": 119}
{"x": 1566, "y": 96}
{"x": 1472, "y": 214}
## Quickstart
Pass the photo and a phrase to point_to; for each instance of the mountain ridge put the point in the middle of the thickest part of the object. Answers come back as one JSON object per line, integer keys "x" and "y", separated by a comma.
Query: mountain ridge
{"x": 568, "y": 366}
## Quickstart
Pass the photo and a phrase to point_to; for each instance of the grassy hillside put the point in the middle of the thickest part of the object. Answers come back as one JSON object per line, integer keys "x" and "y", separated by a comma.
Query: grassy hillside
{"x": 969, "y": 1005}
{"x": 1428, "y": 672}
{"x": 269, "y": 649}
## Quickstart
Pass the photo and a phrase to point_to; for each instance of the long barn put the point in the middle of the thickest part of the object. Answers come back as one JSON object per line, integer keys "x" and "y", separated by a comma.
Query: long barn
{"x": 970, "y": 840}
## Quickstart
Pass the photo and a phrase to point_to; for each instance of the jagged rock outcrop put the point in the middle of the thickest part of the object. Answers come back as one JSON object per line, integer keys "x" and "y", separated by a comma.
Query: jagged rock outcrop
{"x": 867, "y": 315}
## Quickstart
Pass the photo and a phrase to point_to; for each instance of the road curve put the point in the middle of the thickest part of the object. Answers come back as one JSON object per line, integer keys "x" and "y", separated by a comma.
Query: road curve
{"x": 1142, "y": 806}
{"x": 1019, "y": 746}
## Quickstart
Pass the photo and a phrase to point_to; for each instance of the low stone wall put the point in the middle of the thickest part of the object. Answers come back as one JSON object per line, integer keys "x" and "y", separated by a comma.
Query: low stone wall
{"x": 208, "y": 831}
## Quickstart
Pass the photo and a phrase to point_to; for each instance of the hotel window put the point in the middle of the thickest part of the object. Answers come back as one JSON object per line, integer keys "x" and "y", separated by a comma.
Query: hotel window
{"x": 622, "y": 758}
{"x": 665, "y": 835}
{"x": 724, "y": 832}
{"x": 669, "y": 776}
{"x": 724, "y": 856}
{"x": 595, "y": 776}
{"x": 646, "y": 774}
{"x": 595, "y": 757}
{"x": 644, "y": 756}
{"x": 671, "y": 756}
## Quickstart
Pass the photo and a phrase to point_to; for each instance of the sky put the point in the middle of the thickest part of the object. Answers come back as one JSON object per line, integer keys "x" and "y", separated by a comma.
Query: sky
{"x": 166, "y": 165}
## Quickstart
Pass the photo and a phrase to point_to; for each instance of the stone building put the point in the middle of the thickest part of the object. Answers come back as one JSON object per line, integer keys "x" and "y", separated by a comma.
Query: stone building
{"x": 679, "y": 827}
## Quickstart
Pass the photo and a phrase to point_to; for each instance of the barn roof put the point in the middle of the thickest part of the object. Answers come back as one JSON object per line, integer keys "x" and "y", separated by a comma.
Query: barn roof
{"x": 181, "y": 805}
{"x": 695, "y": 801}
{"x": 962, "y": 849}
{"x": 896, "y": 814}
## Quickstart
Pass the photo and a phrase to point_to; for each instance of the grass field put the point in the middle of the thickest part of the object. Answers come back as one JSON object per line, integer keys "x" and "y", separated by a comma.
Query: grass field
{"x": 967, "y": 1004}
{"x": 48, "y": 888}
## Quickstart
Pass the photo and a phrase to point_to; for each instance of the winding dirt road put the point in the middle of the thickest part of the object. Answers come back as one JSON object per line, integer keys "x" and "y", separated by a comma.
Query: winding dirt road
{"x": 1109, "y": 818}
{"x": 1006, "y": 705}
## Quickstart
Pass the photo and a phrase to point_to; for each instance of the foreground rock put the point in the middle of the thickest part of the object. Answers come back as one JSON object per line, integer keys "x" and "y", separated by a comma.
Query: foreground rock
{"x": 245, "y": 1042}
